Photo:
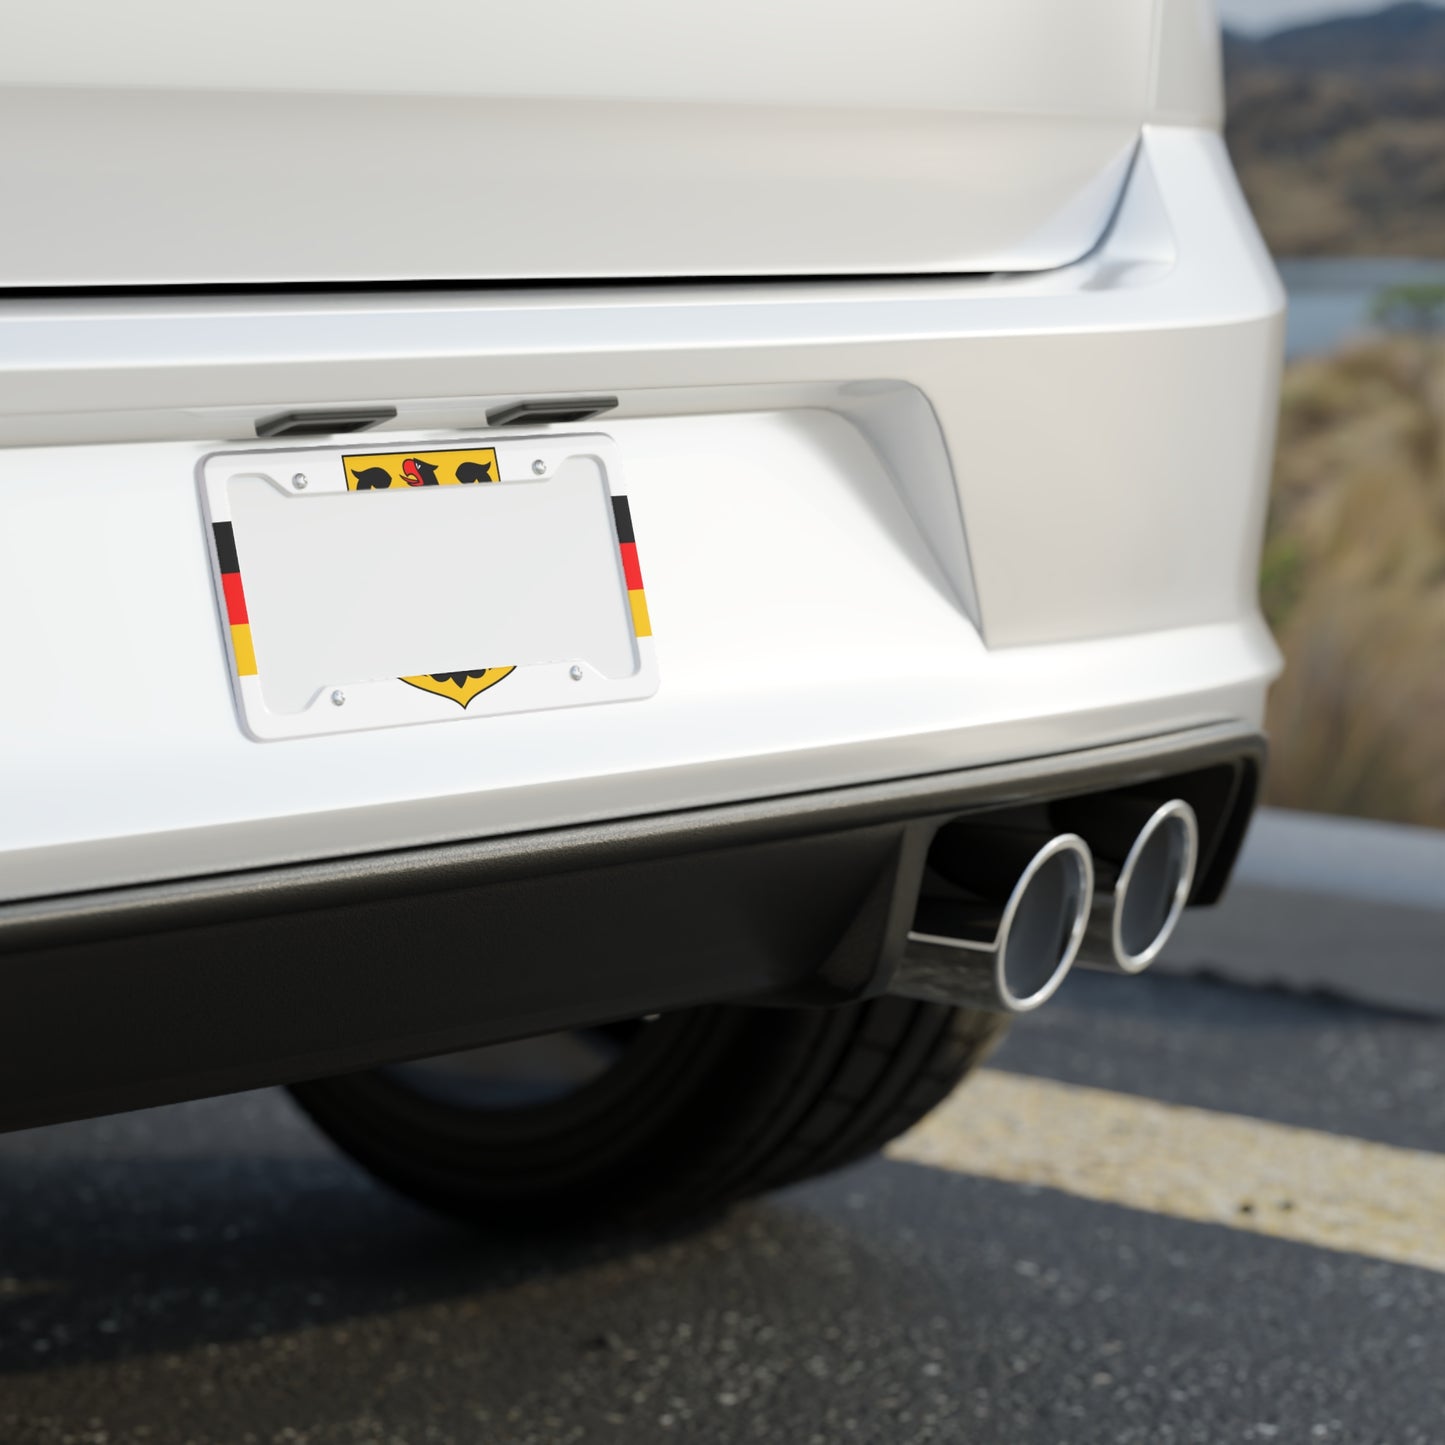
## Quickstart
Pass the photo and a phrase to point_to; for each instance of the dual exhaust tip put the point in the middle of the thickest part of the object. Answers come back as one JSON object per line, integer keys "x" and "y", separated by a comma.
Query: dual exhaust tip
{"x": 1004, "y": 916}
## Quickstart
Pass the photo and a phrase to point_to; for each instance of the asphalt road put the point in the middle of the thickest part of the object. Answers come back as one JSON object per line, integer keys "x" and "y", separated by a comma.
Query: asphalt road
{"x": 214, "y": 1273}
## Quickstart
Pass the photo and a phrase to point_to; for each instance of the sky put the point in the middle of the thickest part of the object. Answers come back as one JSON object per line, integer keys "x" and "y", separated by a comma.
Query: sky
{"x": 1254, "y": 17}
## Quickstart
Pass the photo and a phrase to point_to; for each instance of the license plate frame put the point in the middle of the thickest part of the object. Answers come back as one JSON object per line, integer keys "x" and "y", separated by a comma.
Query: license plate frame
{"x": 522, "y": 541}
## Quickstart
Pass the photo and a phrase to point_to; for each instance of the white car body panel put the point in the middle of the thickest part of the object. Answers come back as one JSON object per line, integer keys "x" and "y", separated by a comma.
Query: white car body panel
{"x": 889, "y": 528}
{"x": 361, "y": 141}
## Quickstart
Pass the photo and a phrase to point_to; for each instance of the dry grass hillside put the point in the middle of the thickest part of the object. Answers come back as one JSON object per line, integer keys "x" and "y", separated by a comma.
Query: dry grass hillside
{"x": 1354, "y": 584}
{"x": 1337, "y": 129}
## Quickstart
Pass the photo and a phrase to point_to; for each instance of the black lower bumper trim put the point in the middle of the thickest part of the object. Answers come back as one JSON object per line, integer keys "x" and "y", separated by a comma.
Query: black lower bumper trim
{"x": 141, "y": 996}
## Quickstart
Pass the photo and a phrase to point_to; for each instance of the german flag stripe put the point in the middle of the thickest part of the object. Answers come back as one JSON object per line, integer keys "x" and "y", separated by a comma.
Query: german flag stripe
{"x": 631, "y": 567}
{"x": 235, "y": 596}
{"x": 622, "y": 516}
{"x": 641, "y": 622}
{"x": 245, "y": 652}
{"x": 226, "y": 547}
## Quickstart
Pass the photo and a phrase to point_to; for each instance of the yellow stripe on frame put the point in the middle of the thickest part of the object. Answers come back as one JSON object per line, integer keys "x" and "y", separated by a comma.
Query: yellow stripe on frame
{"x": 641, "y": 622}
{"x": 245, "y": 652}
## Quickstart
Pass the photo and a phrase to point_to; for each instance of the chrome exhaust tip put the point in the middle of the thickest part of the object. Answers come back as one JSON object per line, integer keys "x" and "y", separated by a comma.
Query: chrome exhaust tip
{"x": 973, "y": 954}
{"x": 1138, "y": 903}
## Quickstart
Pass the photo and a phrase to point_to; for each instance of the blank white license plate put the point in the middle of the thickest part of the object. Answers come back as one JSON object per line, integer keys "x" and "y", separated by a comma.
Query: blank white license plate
{"x": 363, "y": 587}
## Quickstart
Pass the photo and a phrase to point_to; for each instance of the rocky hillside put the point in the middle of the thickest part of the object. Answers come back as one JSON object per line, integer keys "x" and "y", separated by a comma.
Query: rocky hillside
{"x": 1410, "y": 33}
{"x": 1338, "y": 133}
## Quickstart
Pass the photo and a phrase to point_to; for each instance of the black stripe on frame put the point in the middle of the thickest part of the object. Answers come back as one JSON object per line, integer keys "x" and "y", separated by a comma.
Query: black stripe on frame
{"x": 226, "y": 547}
{"x": 622, "y": 517}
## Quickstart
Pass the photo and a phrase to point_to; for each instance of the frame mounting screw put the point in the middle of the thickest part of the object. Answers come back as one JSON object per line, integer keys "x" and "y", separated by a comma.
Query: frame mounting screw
{"x": 575, "y": 673}
{"x": 338, "y": 698}
{"x": 299, "y": 481}
{"x": 539, "y": 468}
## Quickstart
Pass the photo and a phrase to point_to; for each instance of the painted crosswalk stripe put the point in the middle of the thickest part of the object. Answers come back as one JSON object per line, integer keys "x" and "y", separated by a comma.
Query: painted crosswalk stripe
{"x": 1297, "y": 1184}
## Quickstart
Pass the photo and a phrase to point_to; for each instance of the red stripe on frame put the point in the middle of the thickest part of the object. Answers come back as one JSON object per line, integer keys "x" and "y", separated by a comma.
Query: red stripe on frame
{"x": 631, "y": 569}
{"x": 235, "y": 598}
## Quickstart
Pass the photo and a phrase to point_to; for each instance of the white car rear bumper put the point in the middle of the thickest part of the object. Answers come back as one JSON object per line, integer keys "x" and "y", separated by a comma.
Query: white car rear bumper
{"x": 888, "y": 529}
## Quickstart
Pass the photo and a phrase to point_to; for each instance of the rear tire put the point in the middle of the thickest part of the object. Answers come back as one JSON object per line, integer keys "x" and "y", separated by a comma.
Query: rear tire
{"x": 695, "y": 1111}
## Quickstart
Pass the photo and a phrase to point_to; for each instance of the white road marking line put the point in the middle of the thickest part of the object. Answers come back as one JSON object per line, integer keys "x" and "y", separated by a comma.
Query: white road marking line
{"x": 1297, "y": 1184}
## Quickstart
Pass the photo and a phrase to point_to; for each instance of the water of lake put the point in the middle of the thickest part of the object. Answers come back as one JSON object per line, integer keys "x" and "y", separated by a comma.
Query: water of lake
{"x": 1330, "y": 299}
